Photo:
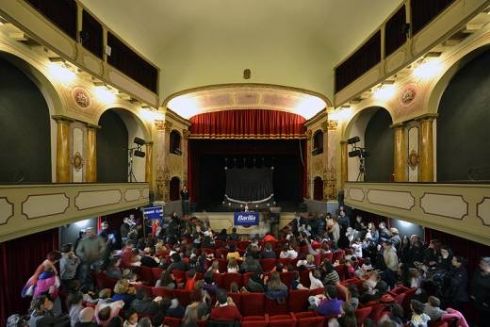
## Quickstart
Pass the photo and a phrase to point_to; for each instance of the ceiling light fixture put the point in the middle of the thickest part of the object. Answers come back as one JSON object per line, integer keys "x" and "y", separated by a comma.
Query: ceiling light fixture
{"x": 104, "y": 94}
{"x": 61, "y": 72}
{"x": 384, "y": 92}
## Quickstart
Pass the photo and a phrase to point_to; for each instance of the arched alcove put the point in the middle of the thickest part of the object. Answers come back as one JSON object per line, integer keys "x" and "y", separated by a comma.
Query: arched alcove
{"x": 174, "y": 188}
{"x": 463, "y": 145}
{"x": 372, "y": 126}
{"x": 112, "y": 145}
{"x": 318, "y": 142}
{"x": 318, "y": 188}
{"x": 122, "y": 127}
{"x": 175, "y": 140}
{"x": 25, "y": 131}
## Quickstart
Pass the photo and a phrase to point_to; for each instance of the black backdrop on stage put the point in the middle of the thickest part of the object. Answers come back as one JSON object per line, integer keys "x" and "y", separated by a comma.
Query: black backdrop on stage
{"x": 209, "y": 157}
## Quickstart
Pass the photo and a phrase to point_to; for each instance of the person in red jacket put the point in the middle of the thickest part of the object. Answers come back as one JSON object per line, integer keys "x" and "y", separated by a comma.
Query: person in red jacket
{"x": 225, "y": 308}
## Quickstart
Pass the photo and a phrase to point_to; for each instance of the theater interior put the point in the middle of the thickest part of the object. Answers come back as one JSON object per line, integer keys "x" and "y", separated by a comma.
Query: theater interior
{"x": 183, "y": 123}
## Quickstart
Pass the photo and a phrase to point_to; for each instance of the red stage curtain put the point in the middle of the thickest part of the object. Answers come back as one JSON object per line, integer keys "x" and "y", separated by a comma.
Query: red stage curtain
{"x": 248, "y": 124}
{"x": 19, "y": 259}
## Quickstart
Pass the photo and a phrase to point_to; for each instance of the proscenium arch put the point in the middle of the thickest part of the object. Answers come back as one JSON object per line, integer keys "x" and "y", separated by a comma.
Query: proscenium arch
{"x": 328, "y": 102}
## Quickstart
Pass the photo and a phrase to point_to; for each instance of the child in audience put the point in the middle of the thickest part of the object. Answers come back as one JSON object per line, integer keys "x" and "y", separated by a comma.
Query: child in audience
{"x": 131, "y": 319}
{"x": 419, "y": 317}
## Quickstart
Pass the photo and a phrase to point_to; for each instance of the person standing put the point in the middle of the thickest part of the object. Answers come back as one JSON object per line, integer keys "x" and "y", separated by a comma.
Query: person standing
{"x": 90, "y": 250}
{"x": 68, "y": 265}
{"x": 480, "y": 291}
{"x": 186, "y": 202}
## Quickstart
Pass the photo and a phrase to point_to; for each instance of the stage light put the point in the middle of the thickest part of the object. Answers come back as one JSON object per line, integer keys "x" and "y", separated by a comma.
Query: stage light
{"x": 138, "y": 153}
{"x": 139, "y": 141}
{"x": 82, "y": 223}
{"x": 384, "y": 92}
{"x": 353, "y": 140}
{"x": 61, "y": 73}
{"x": 104, "y": 95}
{"x": 355, "y": 153}
{"x": 428, "y": 69}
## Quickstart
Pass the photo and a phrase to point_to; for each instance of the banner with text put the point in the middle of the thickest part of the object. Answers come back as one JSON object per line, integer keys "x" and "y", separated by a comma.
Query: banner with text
{"x": 246, "y": 218}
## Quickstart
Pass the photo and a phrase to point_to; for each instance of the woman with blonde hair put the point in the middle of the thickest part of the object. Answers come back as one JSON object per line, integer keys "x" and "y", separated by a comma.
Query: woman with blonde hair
{"x": 233, "y": 266}
{"x": 276, "y": 289}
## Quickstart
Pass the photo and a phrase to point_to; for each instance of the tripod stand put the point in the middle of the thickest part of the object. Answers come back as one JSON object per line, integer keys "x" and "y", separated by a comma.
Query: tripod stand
{"x": 362, "y": 169}
{"x": 131, "y": 175}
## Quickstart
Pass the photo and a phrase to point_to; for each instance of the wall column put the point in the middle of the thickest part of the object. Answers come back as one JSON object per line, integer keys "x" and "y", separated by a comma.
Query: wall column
{"x": 426, "y": 148}
{"x": 400, "y": 153}
{"x": 91, "y": 154}
{"x": 343, "y": 163}
{"x": 62, "y": 149}
{"x": 149, "y": 164}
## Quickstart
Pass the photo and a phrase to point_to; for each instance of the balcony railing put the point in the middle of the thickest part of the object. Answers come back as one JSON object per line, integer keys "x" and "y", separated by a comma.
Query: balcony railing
{"x": 27, "y": 209}
{"x": 459, "y": 209}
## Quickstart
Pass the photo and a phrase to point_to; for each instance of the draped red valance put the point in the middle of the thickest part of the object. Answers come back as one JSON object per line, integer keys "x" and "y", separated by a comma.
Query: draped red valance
{"x": 247, "y": 124}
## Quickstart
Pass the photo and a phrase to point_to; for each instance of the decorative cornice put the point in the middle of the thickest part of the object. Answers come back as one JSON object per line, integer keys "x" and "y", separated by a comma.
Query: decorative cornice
{"x": 172, "y": 115}
{"x": 319, "y": 116}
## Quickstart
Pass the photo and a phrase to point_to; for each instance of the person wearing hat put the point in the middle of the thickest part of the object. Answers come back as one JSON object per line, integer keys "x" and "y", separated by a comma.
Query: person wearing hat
{"x": 68, "y": 265}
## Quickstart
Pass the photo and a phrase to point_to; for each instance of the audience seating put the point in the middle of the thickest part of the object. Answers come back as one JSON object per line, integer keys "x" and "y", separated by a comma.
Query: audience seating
{"x": 255, "y": 321}
{"x": 298, "y": 300}
{"x": 103, "y": 281}
{"x": 252, "y": 304}
{"x": 307, "y": 319}
{"x": 284, "y": 320}
{"x": 228, "y": 278}
{"x": 268, "y": 264}
{"x": 273, "y": 307}
{"x": 172, "y": 321}
{"x": 362, "y": 314}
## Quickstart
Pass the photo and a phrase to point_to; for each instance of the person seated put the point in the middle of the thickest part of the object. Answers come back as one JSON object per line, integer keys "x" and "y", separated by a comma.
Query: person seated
{"x": 149, "y": 259}
{"x": 296, "y": 282}
{"x": 222, "y": 236}
{"x": 124, "y": 291}
{"x": 268, "y": 252}
{"x": 74, "y": 302}
{"x": 233, "y": 253}
{"x": 276, "y": 289}
{"x": 86, "y": 318}
{"x": 131, "y": 319}
{"x": 327, "y": 305}
{"x": 143, "y": 303}
{"x": 269, "y": 238}
{"x": 225, "y": 308}
{"x": 419, "y": 317}
{"x": 433, "y": 310}
{"x": 250, "y": 265}
{"x": 315, "y": 281}
{"x": 331, "y": 275}
{"x": 233, "y": 266}
{"x": 233, "y": 235}
{"x": 42, "y": 314}
{"x": 308, "y": 263}
{"x": 175, "y": 309}
{"x": 105, "y": 311}
{"x": 288, "y": 252}
{"x": 255, "y": 283}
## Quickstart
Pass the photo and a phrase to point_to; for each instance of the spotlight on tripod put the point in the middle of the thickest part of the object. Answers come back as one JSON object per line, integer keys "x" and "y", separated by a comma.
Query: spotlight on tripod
{"x": 135, "y": 152}
{"x": 359, "y": 152}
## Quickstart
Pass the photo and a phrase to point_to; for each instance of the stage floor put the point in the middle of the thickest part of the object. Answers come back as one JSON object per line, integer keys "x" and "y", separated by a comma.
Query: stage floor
{"x": 224, "y": 220}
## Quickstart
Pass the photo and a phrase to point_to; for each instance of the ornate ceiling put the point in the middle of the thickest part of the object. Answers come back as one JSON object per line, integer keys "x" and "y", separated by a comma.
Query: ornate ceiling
{"x": 199, "y": 43}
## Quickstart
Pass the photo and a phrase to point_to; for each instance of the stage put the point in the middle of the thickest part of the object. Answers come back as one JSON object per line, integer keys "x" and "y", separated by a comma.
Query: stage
{"x": 224, "y": 220}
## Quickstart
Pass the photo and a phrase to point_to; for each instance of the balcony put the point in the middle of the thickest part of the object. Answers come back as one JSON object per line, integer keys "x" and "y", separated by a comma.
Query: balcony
{"x": 459, "y": 209}
{"x": 27, "y": 209}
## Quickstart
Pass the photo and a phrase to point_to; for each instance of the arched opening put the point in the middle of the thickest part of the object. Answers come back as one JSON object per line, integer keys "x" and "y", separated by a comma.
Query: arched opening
{"x": 112, "y": 153}
{"x": 175, "y": 147}
{"x": 25, "y": 137}
{"x": 375, "y": 164}
{"x": 174, "y": 188}
{"x": 463, "y": 145}
{"x": 116, "y": 161}
{"x": 317, "y": 142}
{"x": 318, "y": 189}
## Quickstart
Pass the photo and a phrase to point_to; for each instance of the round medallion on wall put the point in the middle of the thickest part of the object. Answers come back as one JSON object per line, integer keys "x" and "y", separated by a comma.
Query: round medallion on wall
{"x": 81, "y": 97}
{"x": 77, "y": 161}
{"x": 408, "y": 95}
{"x": 413, "y": 159}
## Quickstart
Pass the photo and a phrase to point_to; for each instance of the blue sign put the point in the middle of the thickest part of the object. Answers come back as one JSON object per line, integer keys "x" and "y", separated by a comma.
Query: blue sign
{"x": 246, "y": 218}
{"x": 153, "y": 212}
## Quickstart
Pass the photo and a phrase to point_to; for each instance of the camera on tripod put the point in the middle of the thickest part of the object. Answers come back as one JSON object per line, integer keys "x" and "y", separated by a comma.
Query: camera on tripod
{"x": 361, "y": 153}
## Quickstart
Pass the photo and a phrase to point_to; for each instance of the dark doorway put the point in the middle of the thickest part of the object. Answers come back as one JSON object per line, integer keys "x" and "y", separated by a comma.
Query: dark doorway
{"x": 174, "y": 189}
{"x": 318, "y": 189}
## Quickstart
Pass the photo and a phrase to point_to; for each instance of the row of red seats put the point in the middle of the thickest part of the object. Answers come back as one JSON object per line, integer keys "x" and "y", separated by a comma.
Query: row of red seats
{"x": 299, "y": 319}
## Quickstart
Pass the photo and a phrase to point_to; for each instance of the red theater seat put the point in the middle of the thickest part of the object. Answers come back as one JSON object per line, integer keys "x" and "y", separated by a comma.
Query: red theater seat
{"x": 103, "y": 281}
{"x": 268, "y": 264}
{"x": 252, "y": 304}
{"x": 284, "y": 320}
{"x": 362, "y": 314}
{"x": 171, "y": 321}
{"x": 237, "y": 298}
{"x": 255, "y": 321}
{"x": 298, "y": 300}
{"x": 272, "y": 307}
{"x": 229, "y": 278}
{"x": 287, "y": 278}
{"x": 317, "y": 321}
{"x": 183, "y": 296}
{"x": 157, "y": 273}
{"x": 145, "y": 274}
